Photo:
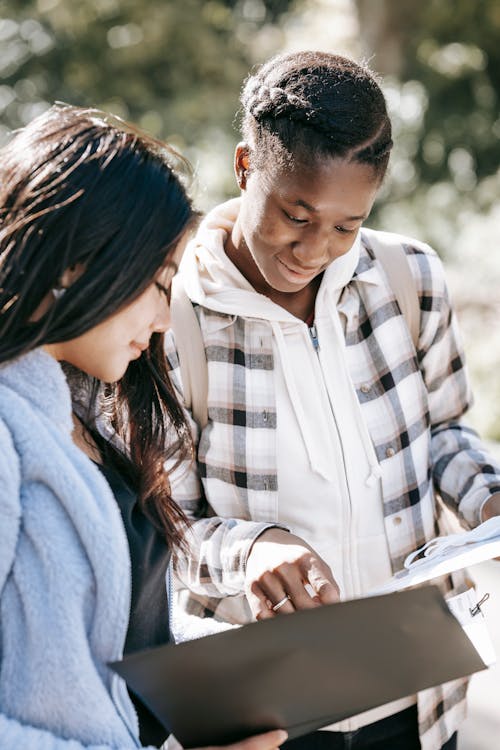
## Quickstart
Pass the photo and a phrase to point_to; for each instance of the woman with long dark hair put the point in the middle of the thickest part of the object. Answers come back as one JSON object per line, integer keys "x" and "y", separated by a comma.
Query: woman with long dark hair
{"x": 93, "y": 221}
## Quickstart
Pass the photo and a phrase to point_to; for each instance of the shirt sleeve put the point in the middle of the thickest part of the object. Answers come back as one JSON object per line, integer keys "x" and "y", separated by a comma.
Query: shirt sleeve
{"x": 465, "y": 475}
{"x": 214, "y": 560}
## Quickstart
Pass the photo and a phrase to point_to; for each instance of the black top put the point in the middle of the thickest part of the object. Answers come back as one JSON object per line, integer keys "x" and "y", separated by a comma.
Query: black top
{"x": 148, "y": 624}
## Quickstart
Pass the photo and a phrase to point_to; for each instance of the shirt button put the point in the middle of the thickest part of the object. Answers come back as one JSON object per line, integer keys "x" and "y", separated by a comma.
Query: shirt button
{"x": 365, "y": 388}
{"x": 397, "y": 520}
{"x": 390, "y": 452}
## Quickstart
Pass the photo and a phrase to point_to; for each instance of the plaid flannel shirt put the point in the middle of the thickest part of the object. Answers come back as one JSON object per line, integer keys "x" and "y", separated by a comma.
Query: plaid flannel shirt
{"x": 412, "y": 402}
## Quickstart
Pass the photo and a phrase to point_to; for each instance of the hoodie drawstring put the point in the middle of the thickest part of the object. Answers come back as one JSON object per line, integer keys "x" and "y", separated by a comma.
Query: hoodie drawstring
{"x": 305, "y": 425}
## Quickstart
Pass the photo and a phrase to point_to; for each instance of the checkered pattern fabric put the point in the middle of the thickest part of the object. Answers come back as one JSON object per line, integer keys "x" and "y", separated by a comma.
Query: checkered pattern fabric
{"x": 412, "y": 401}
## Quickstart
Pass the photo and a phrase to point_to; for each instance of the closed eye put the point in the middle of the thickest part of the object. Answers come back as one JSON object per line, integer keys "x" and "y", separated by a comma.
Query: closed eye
{"x": 294, "y": 219}
{"x": 344, "y": 230}
{"x": 163, "y": 290}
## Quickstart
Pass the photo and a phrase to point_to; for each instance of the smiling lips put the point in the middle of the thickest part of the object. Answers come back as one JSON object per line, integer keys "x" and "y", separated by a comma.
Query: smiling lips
{"x": 303, "y": 274}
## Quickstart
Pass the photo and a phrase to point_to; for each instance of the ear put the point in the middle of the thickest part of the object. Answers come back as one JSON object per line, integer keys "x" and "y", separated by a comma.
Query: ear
{"x": 242, "y": 164}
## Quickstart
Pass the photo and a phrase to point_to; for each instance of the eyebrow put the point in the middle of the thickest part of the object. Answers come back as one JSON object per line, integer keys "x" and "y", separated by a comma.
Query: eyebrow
{"x": 308, "y": 207}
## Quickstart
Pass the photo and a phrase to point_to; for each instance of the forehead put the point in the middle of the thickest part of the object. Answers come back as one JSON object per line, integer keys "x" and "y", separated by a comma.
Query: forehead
{"x": 326, "y": 183}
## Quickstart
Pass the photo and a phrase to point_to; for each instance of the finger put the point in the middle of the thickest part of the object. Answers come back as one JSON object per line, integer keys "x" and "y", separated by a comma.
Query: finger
{"x": 274, "y": 589}
{"x": 261, "y": 608}
{"x": 258, "y": 602}
{"x": 291, "y": 580}
{"x": 266, "y": 741}
{"x": 320, "y": 577}
{"x": 268, "y": 608}
{"x": 287, "y": 579}
{"x": 327, "y": 592}
{"x": 301, "y": 597}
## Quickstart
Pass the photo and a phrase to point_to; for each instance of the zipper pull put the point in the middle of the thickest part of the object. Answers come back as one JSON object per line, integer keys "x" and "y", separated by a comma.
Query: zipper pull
{"x": 314, "y": 337}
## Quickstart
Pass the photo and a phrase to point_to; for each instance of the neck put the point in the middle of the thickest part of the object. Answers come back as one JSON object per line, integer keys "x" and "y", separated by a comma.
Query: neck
{"x": 83, "y": 439}
{"x": 300, "y": 303}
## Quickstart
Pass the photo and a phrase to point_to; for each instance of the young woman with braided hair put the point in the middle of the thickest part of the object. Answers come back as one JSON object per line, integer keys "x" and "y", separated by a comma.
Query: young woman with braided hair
{"x": 329, "y": 431}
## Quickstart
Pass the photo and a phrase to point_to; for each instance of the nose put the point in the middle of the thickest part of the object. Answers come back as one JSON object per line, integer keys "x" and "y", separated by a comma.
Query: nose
{"x": 314, "y": 248}
{"x": 161, "y": 321}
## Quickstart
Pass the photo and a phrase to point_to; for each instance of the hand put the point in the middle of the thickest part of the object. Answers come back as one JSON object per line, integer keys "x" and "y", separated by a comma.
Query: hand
{"x": 281, "y": 564}
{"x": 266, "y": 741}
{"x": 491, "y": 508}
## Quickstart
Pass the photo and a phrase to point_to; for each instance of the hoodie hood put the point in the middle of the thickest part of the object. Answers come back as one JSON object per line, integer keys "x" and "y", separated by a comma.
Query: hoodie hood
{"x": 213, "y": 281}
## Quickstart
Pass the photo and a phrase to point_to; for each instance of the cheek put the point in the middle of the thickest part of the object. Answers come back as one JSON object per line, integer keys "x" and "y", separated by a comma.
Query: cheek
{"x": 344, "y": 244}
{"x": 92, "y": 354}
{"x": 266, "y": 233}
{"x": 138, "y": 316}
{"x": 257, "y": 216}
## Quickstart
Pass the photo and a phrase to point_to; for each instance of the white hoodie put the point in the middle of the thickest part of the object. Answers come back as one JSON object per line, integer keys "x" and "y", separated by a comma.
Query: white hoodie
{"x": 328, "y": 475}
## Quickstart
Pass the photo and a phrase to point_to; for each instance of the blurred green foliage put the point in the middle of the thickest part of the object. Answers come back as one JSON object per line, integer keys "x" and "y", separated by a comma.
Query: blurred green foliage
{"x": 176, "y": 67}
{"x": 441, "y": 65}
{"x": 173, "y": 67}
{"x": 460, "y": 66}
{"x": 440, "y": 61}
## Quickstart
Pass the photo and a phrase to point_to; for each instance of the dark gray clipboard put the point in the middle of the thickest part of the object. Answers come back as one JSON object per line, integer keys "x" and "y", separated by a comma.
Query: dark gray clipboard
{"x": 302, "y": 671}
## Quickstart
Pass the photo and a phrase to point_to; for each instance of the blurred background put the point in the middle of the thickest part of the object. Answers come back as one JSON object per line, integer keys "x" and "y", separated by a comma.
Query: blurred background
{"x": 176, "y": 67}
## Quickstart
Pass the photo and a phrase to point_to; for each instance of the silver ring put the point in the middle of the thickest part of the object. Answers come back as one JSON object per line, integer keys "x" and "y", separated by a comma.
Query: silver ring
{"x": 281, "y": 603}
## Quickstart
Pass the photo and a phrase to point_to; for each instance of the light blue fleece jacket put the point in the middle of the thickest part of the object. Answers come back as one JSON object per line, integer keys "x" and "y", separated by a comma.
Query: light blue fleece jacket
{"x": 64, "y": 576}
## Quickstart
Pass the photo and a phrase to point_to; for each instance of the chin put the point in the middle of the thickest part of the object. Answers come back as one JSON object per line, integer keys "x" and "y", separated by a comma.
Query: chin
{"x": 109, "y": 374}
{"x": 286, "y": 287}
{"x": 116, "y": 375}
{"x": 279, "y": 283}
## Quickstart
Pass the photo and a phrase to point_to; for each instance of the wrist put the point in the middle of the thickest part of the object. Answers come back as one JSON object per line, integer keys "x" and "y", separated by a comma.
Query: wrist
{"x": 267, "y": 534}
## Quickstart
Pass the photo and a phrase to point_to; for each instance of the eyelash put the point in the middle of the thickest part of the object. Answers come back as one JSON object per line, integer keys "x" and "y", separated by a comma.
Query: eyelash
{"x": 163, "y": 290}
{"x": 342, "y": 230}
{"x": 294, "y": 219}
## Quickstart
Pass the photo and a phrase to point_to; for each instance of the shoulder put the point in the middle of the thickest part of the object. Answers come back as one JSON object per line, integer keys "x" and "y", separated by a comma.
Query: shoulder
{"x": 410, "y": 245}
{"x": 425, "y": 264}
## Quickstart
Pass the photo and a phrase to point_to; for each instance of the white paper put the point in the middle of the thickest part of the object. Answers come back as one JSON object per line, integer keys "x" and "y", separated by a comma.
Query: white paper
{"x": 443, "y": 555}
{"x": 463, "y": 606}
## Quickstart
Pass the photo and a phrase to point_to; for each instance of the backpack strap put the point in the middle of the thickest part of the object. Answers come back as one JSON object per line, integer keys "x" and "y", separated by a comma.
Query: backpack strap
{"x": 191, "y": 352}
{"x": 189, "y": 340}
{"x": 392, "y": 257}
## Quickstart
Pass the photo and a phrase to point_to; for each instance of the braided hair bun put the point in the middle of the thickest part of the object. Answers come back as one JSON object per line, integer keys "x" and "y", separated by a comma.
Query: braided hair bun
{"x": 308, "y": 104}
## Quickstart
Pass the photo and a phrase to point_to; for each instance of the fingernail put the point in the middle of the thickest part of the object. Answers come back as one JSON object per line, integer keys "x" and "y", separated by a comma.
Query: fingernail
{"x": 282, "y": 735}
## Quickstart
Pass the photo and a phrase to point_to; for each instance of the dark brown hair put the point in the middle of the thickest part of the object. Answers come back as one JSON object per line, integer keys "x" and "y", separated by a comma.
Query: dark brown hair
{"x": 307, "y": 105}
{"x": 78, "y": 186}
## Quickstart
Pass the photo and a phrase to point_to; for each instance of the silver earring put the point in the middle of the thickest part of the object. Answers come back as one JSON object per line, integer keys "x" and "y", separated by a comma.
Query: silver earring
{"x": 58, "y": 291}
